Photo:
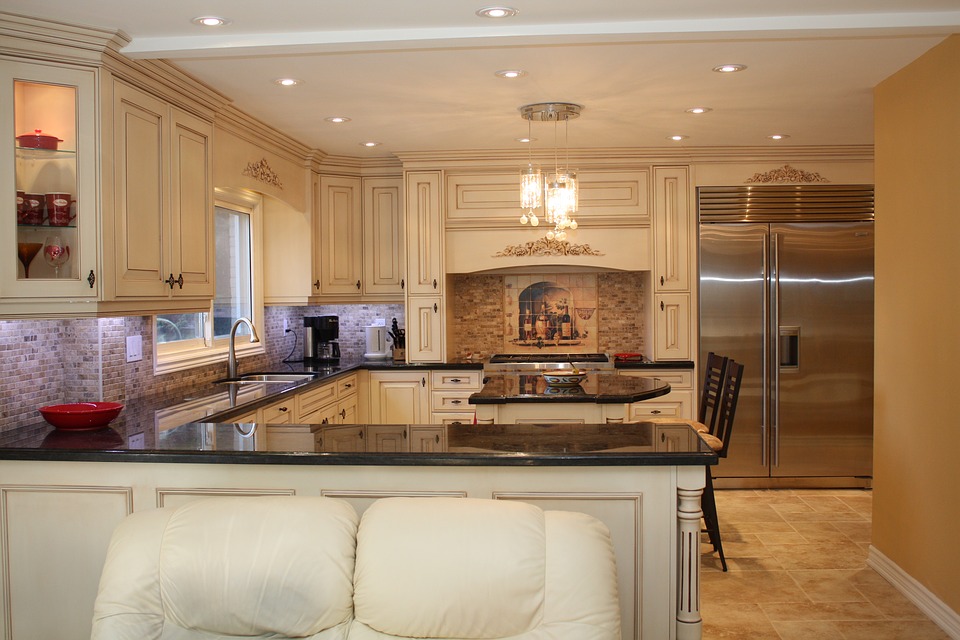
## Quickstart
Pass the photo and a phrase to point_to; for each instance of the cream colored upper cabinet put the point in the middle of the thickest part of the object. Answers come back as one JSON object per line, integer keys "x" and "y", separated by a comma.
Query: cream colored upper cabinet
{"x": 672, "y": 229}
{"x": 54, "y": 186}
{"x": 383, "y": 250}
{"x": 424, "y": 233}
{"x": 162, "y": 219}
{"x": 339, "y": 236}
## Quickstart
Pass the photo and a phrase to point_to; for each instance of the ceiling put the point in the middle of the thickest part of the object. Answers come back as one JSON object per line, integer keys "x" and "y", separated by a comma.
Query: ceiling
{"x": 418, "y": 75}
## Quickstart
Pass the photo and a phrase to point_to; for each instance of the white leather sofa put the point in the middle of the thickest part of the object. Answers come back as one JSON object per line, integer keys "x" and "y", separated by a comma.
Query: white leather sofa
{"x": 304, "y": 567}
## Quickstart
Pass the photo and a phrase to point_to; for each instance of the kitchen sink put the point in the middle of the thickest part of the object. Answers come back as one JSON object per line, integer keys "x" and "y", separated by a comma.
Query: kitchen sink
{"x": 269, "y": 378}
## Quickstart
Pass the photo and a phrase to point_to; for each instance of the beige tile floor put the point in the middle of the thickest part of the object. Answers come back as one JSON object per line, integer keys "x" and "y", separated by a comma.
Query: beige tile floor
{"x": 797, "y": 571}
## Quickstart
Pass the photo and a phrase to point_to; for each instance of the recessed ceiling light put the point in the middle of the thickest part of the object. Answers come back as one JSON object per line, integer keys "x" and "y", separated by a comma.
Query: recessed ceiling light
{"x": 525, "y": 140}
{"x": 287, "y": 82}
{"x": 337, "y": 119}
{"x": 497, "y": 12}
{"x": 729, "y": 68}
{"x": 370, "y": 144}
{"x": 510, "y": 73}
{"x": 779, "y": 136}
{"x": 698, "y": 110}
{"x": 677, "y": 138}
{"x": 210, "y": 21}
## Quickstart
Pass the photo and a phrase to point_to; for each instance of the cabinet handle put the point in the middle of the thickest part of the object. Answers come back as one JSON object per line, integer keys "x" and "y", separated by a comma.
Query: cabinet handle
{"x": 325, "y": 421}
{"x": 358, "y": 285}
{"x": 284, "y": 409}
{"x": 316, "y": 285}
{"x": 91, "y": 278}
{"x": 455, "y": 380}
{"x": 655, "y": 412}
{"x": 343, "y": 414}
{"x": 348, "y": 385}
{"x": 661, "y": 305}
{"x": 434, "y": 283}
{"x": 435, "y": 307}
{"x": 456, "y": 402}
{"x": 438, "y": 438}
{"x": 663, "y": 437}
{"x": 170, "y": 281}
{"x": 423, "y": 382}
{"x": 404, "y": 434}
{"x": 360, "y": 434}
{"x": 661, "y": 281}
{"x": 179, "y": 281}
{"x": 401, "y": 283}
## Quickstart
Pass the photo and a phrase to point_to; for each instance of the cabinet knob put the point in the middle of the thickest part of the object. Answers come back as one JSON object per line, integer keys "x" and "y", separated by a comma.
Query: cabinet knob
{"x": 438, "y": 438}
{"x": 435, "y": 307}
{"x": 401, "y": 283}
{"x": 434, "y": 283}
{"x": 663, "y": 437}
{"x": 348, "y": 385}
{"x": 404, "y": 434}
{"x": 655, "y": 412}
{"x": 456, "y": 380}
{"x": 456, "y": 402}
{"x": 316, "y": 285}
{"x": 661, "y": 281}
{"x": 179, "y": 280}
{"x": 423, "y": 382}
{"x": 661, "y": 305}
{"x": 343, "y": 414}
{"x": 358, "y": 285}
{"x": 284, "y": 409}
{"x": 325, "y": 421}
{"x": 360, "y": 434}
{"x": 91, "y": 279}
{"x": 170, "y": 281}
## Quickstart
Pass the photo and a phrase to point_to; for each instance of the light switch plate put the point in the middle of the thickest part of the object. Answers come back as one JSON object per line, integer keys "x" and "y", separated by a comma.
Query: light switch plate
{"x": 134, "y": 348}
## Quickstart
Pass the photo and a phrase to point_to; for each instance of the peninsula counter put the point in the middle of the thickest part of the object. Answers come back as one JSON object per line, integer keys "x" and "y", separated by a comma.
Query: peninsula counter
{"x": 58, "y": 506}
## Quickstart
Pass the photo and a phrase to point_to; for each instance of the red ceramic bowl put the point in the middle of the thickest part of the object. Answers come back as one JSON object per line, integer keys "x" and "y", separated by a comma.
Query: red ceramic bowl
{"x": 81, "y": 415}
{"x": 37, "y": 140}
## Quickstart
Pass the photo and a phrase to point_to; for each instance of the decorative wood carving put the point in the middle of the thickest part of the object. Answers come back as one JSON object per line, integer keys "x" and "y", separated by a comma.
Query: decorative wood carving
{"x": 786, "y": 173}
{"x": 261, "y": 171}
{"x": 546, "y": 247}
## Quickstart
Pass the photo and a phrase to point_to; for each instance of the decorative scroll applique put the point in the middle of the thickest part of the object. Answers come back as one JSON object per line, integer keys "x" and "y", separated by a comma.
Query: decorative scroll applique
{"x": 786, "y": 173}
{"x": 546, "y": 247}
{"x": 261, "y": 171}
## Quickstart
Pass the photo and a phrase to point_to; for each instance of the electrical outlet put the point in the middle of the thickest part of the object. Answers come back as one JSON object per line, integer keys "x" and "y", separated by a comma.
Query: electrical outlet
{"x": 134, "y": 348}
{"x": 136, "y": 441}
{"x": 284, "y": 325}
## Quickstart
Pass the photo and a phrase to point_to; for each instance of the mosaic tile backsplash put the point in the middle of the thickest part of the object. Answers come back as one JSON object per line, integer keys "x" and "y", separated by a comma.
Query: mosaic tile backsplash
{"x": 54, "y": 361}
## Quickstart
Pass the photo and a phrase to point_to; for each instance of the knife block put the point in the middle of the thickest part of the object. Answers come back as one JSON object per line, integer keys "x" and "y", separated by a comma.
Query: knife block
{"x": 399, "y": 355}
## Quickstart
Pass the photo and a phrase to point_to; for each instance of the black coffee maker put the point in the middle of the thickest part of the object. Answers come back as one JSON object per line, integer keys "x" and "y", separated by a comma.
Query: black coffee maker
{"x": 320, "y": 335}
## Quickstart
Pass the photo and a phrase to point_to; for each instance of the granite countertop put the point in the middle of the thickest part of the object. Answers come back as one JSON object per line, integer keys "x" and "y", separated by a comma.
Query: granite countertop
{"x": 525, "y": 445}
{"x": 598, "y": 388}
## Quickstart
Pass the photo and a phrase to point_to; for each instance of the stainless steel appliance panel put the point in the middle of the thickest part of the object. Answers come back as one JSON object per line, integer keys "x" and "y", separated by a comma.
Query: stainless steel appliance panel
{"x": 794, "y": 304}
{"x": 732, "y": 274}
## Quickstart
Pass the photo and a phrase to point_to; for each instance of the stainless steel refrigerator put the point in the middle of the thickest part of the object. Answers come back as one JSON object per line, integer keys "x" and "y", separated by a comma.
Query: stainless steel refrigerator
{"x": 786, "y": 289}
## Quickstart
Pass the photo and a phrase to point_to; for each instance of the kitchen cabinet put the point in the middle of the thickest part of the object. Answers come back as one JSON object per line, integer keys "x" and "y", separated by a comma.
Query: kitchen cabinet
{"x": 277, "y": 413}
{"x": 332, "y": 403}
{"x": 425, "y": 330}
{"x": 342, "y": 439}
{"x": 679, "y": 403}
{"x": 450, "y": 396}
{"x": 162, "y": 218}
{"x": 359, "y": 238}
{"x": 387, "y": 438}
{"x": 427, "y": 438}
{"x": 399, "y": 397}
{"x": 59, "y": 102}
{"x": 673, "y": 250}
{"x": 424, "y": 223}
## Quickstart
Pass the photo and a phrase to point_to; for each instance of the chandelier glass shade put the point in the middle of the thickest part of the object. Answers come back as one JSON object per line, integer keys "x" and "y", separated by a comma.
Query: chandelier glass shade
{"x": 558, "y": 194}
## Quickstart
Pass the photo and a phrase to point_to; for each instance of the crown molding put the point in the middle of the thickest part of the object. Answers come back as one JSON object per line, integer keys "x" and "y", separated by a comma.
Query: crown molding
{"x": 57, "y": 41}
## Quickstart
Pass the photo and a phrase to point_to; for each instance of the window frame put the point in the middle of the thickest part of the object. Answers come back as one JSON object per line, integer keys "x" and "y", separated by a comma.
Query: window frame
{"x": 188, "y": 354}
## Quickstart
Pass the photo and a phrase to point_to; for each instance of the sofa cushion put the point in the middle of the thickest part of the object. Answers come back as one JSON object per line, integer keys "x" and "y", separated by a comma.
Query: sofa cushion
{"x": 230, "y": 567}
{"x": 450, "y": 568}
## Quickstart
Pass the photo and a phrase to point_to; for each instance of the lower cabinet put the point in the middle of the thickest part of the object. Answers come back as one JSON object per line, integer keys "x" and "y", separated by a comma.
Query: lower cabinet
{"x": 450, "y": 395}
{"x": 399, "y": 397}
{"x": 679, "y": 403}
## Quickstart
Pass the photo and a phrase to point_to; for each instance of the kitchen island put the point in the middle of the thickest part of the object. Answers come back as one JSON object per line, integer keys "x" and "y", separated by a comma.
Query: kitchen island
{"x": 61, "y": 501}
{"x": 511, "y": 398}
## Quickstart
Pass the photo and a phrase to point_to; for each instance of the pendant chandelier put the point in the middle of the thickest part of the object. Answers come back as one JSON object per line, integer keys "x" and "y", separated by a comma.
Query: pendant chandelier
{"x": 557, "y": 193}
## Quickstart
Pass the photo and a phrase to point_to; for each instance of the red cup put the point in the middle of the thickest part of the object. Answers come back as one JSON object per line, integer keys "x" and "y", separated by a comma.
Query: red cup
{"x": 58, "y": 209}
{"x": 32, "y": 208}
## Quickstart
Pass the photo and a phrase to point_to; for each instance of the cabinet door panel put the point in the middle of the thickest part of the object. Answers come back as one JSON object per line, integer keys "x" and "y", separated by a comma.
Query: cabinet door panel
{"x": 383, "y": 236}
{"x": 424, "y": 329}
{"x": 672, "y": 326}
{"x": 672, "y": 229}
{"x": 424, "y": 233}
{"x": 340, "y": 235}
{"x": 141, "y": 184}
{"x": 192, "y": 206}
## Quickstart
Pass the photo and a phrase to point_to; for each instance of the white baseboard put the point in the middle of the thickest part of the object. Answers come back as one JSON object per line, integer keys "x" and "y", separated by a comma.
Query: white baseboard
{"x": 942, "y": 615}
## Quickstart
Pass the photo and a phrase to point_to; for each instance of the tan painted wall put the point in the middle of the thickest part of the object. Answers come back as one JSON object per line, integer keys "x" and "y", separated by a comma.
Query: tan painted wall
{"x": 916, "y": 521}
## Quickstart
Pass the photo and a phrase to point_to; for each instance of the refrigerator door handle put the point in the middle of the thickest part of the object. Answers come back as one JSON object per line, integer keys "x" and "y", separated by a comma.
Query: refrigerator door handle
{"x": 764, "y": 355}
{"x": 774, "y": 337}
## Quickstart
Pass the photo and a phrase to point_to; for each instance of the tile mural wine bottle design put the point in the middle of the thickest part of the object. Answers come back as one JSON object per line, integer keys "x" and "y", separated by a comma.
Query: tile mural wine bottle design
{"x": 555, "y": 312}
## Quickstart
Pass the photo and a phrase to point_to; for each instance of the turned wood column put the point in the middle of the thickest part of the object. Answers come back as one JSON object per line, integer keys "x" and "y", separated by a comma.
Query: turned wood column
{"x": 689, "y": 513}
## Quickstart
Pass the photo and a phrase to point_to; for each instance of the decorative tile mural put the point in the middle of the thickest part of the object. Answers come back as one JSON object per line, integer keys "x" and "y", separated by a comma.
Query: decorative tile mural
{"x": 550, "y": 311}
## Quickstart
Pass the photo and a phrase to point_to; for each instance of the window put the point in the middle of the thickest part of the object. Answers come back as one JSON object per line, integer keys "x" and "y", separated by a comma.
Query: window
{"x": 185, "y": 340}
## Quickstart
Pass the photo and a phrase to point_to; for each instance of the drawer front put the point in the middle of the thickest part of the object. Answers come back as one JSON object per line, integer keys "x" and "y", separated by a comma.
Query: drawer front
{"x": 676, "y": 404}
{"x": 346, "y": 385}
{"x": 446, "y": 379}
{"x": 327, "y": 414}
{"x": 677, "y": 379}
{"x": 447, "y": 418}
{"x": 311, "y": 400}
{"x": 279, "y": 413}
{"x": 451, "y": 400}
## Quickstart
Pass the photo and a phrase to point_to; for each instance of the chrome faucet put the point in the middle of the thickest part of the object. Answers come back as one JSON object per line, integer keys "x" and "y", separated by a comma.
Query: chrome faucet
{"x": 232, "y": 354}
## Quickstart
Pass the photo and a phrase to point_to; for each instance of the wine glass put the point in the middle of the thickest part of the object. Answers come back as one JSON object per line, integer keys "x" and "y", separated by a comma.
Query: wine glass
{"x": 55, "y": 253}
{"x": 27, "y": 251}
